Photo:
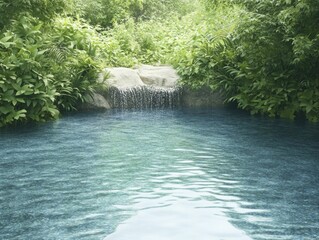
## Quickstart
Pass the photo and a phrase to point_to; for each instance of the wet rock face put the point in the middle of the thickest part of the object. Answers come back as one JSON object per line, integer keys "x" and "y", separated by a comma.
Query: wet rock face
{"x": 146, "y": 97}
{"x": 148, "y": 87}
{"x": 95, "y": 102}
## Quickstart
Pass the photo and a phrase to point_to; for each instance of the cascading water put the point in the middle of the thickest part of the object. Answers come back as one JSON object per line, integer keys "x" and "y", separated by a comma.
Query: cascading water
{"x": 145, "y": 97}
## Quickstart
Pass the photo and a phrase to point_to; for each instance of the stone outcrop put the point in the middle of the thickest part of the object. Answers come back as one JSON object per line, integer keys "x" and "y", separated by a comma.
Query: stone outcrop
{"x": 123, "y": 78}
{"x": 146, "y": 87}
{"x": 95, "y": 102}
{"x": 158, "y": 76}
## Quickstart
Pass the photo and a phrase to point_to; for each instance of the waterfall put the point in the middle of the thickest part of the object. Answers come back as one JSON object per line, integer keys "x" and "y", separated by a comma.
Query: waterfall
{"x": 145, "y": 97}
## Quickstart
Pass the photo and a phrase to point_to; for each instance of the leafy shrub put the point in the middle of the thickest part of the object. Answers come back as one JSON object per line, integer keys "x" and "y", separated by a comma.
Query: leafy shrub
{"x": 278, "y": 45}
{"x": 72, "y": 57}
{"x": 45, "y": 68}
{"x": 107, "y": 13}
{"x": 268, "y": 64}
{"x": 208, "y": 51}
{"x": 152, "y": 42}
{"x": 42, "y": 9}
{"x": 26, "y": 91}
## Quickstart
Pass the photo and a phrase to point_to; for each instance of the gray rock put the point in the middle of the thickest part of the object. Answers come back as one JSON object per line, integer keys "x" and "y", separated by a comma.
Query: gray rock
{"x": 123, "y": 78}
{"x": 158, "y": 76}
{"x": 155, "y": 84}
{"x": 96, "y": 102}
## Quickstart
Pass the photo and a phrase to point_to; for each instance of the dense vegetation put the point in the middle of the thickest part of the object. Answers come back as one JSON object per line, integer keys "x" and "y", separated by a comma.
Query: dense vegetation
{"x": 269, "y": 63}
{"x": 47, "y": 61}
{"x": 262, "y": 55}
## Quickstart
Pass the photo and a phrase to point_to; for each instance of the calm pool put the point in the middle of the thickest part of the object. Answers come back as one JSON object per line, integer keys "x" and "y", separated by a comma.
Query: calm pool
{"x": 160, "y": 175}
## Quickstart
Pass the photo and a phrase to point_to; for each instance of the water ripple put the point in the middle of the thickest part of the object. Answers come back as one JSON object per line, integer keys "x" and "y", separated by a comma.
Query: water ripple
{"x": 160, "y": 175}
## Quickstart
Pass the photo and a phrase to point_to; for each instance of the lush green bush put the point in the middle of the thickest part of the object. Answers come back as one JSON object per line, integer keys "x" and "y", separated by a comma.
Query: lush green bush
{"x": 152, "y": 42}
{"x": 269, "y": 63}
{"x": 279, "y": 49}
{"x": 73, "y": 50}
{"x": 163, "y": 9}
{"x": 208, "y": 51}
{"x": 106, "y": 13}
{"x": 26, "y": 91}
{"x": 45, "y": 68}
{"x": 42, "y": 9}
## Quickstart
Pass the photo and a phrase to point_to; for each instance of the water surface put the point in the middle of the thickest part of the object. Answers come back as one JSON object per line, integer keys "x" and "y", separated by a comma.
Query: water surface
{"x": 160, "y": 175}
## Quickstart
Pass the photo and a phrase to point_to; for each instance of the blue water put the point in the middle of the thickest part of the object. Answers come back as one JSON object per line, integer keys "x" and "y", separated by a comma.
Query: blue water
{"x": 160, "y": 175}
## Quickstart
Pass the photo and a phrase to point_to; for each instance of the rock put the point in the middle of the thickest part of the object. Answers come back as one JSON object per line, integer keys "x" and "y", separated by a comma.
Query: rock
{"x": 158, "y": 76}
{"x": 123, "y": 78}
{"x": 96, "y": 102}
{"x": 146, "y": 75}
{"x": 147, "y": 86}
{"x": 202, "y": 98}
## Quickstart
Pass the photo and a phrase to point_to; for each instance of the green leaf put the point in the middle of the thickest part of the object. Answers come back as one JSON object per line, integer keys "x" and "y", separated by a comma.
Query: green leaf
{"x": 4, "y": 42}
{"x": 20, "y": 114}
{"x": 6, "y": 109}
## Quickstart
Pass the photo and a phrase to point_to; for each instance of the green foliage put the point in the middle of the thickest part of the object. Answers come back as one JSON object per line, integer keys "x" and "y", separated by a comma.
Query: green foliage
{"x": 121, "y": 46}
{"x": 73, "y": 48}
{"x": 208, "y": 52}
{"x": 279, "y": 48}
{"x": 103, "y": 12}
{"x": 155, "y": 9}
{"x": 106, "y": 13}
{"x": 42, "y": 9}
{"x": 151, "y": 42}
{"x": 26, "y": 92}
{"x": 269, "y": 63}
{"x": 45, "y": 68}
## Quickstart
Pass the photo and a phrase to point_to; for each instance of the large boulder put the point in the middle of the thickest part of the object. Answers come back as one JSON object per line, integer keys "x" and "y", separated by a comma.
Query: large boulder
{"x": 145, "y": 75}
{"x": 123, "y": 78}
{"x": 158, "y": 76}
{"x": 129, "y": 87}
{"x": 95, "y": 102}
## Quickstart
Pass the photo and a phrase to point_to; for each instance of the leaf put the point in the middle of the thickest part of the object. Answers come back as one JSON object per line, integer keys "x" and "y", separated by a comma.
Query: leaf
{"x": 6, "y": 109}
{"x": 54, "y": 112}
{"x": 20, "y": 114}
{"x": 5, "y": 39}
{"x": 7, "y": 44}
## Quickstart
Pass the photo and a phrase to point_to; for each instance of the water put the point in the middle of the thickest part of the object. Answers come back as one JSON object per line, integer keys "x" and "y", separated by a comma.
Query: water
{"x": 160, "y": 175}
{"x": 146, "y": 97}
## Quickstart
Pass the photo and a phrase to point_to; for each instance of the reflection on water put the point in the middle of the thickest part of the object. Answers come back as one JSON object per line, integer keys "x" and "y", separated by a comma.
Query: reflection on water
{"x": 160, "y": 175}
{"x": 180, "y": 220}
